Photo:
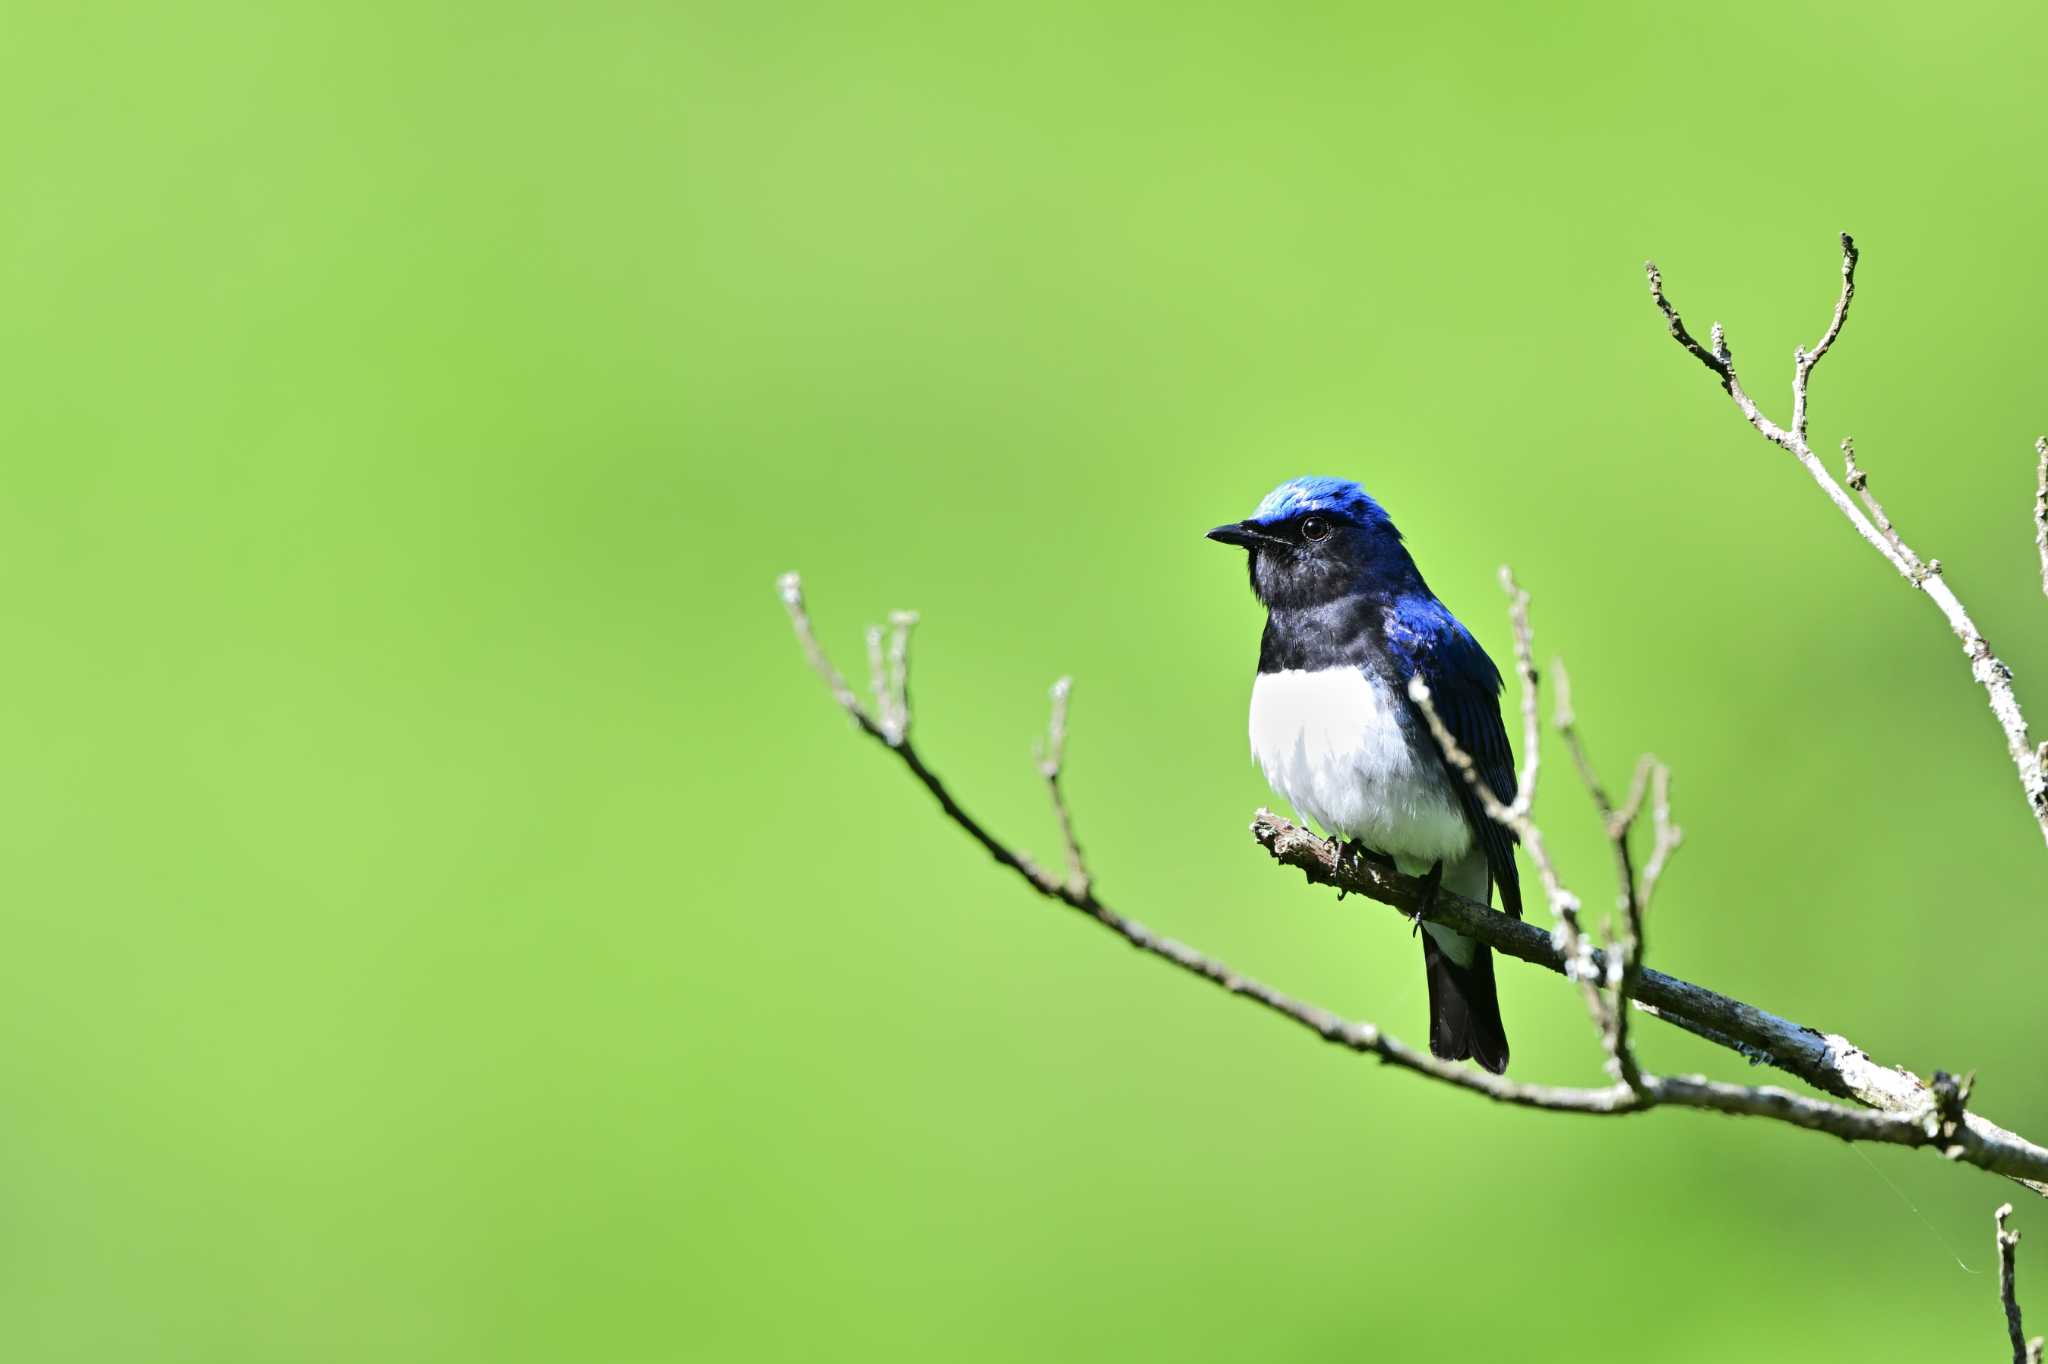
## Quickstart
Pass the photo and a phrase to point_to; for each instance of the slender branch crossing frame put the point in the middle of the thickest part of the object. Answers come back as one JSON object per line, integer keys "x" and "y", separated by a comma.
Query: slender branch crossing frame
{"x": 1867, "y": 1101}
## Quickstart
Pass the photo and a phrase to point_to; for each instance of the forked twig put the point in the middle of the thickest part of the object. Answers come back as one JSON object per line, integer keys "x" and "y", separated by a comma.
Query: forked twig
{"x": 1870, "y": 522}
{"x": 1899, "y": 1107}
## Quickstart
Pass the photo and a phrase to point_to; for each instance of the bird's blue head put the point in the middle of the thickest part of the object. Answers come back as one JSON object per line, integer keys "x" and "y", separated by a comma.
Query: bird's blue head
{"x": 1314, "y": 539}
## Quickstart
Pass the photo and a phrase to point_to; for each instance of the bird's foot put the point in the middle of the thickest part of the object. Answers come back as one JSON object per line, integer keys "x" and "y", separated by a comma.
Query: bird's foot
{"x": 1352, "y": 851}
{"x": 1432, "y": 882}
{"x": 1351, "y": 854}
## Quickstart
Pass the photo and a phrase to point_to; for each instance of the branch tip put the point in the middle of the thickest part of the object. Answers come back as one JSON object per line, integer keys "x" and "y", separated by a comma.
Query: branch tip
{"x": 2024, "y": 1351}
{"x": 1869, "y": 521}
{"x": 1052, "y": 757}
{"x": 2041, "y": 508}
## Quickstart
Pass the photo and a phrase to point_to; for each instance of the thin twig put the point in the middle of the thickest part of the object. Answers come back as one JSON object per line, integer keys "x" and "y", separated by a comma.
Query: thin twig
{"x": 1899, "y": 1107}
{"x": 790, "y": 587}
{"x": 1667, "y": 836}
{"x": 878, "y": 681}
{"x": 791, "y": 590}
{"x": 1711, "y": 359}
{"x": 900, "y": 625}
{"x": 1638, "y": 785}
{"x": 1052, "y": 760}
{"x": 1989, "y": 671}
{"x": 2024, "y": 1351}
{"x": 1625, "y": 955}
{"x": 1525, "y": 671}
{"x": 1563, "y": 902}
{"x": 1356, "y": 1036}
{"x": 1827, "y": 1061}
{"x": 1616, "y": 822}
{"x": 1859, "y": 483}
{"x": 1803, "y": 361}
{"x": 2041, "y": 508}
{"x": 1610, "y": 1016}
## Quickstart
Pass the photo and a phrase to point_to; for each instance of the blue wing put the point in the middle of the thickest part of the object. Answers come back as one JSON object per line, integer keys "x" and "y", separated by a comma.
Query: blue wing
{"x": 1465, "y": 687}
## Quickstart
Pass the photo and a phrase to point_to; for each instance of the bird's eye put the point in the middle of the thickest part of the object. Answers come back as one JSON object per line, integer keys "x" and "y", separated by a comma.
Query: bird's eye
{"x": 1315, "y": 528}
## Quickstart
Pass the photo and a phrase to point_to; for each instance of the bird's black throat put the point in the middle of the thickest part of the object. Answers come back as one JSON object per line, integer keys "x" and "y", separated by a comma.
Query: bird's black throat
{"x": 1347, "y": 631}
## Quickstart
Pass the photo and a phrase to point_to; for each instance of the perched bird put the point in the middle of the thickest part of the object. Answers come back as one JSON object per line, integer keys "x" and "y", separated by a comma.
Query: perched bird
{"x": 1349, "y": 621}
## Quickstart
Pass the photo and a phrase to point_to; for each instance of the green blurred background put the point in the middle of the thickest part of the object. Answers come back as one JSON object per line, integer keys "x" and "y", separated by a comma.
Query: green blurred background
{"x": 446, "y": 921}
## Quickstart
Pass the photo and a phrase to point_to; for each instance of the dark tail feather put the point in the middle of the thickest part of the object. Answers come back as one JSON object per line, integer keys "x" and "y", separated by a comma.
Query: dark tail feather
{"x": 1464, "y": 1012}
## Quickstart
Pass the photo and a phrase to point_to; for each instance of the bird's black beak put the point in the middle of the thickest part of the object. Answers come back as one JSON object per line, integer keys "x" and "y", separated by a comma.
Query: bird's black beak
{"x": 1239, "y": 533}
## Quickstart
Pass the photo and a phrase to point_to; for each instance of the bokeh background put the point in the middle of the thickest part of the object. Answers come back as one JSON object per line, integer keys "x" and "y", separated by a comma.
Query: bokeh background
{"x": 446, "y": 921}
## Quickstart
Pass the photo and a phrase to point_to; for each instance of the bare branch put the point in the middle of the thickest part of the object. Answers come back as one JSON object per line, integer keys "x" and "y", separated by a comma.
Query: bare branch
{"x": 2041, "y": 508}
{"x": 1625, "y": 956}
{"x": 1989, "y": 671}
{"x": 791, "y": 589}
{"x": 1638, "y": 786}
{"x": 2024, "y": 1351}
{"x": 888, "y": 672}
{"x": 1525, "y": 670}
{"x": 1355, "y": 1036}
{"x": 1609, "y": 1015}
{"x": 1052, "y": 759}
{"x": 1563, "y": 902}
{"x": 1668, "y": 835}
{"x": 1720, "y": 360}
{"x": 1859, "y": 483}
{"x": 900, "y": 625}
{"x": 1617, "y": 823}
{"x": 1566, "y": 720}
{"x": 1711, "y": 359}
{"x": 1564, "y": 905}
{"x": 878, "y": 680}
{"x": 1827, "y": 1061}
{"x": 1900, "y": 1110}
{"x": 1803, "y": 361}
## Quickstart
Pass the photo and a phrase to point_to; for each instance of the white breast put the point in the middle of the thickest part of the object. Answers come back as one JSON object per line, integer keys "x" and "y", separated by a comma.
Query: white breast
{"x": 1333, "y": 745}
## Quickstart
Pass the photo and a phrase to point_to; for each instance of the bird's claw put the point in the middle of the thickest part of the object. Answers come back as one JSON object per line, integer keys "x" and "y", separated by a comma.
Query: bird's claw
{"x": 1350, "y": 852}
{"x": 1432, "y": 882}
